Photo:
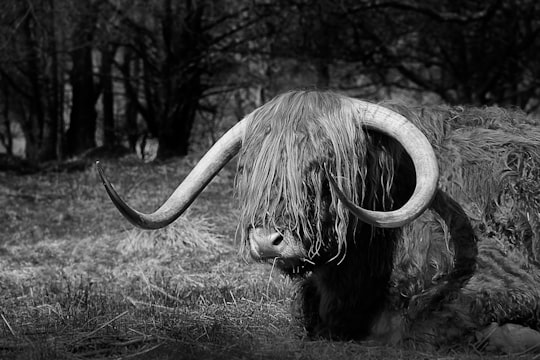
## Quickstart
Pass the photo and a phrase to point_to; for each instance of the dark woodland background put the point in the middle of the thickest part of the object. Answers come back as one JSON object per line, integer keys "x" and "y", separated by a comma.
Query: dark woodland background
{"x": 75, "y": 75}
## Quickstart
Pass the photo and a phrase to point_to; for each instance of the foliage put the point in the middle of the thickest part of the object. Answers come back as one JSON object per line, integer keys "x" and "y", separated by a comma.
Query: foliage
{"x": 105, "y": 72}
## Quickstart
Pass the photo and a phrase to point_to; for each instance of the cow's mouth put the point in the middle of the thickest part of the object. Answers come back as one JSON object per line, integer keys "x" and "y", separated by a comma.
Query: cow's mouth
{"x": 285, "y": 255}
{"x": 292, "y": 267}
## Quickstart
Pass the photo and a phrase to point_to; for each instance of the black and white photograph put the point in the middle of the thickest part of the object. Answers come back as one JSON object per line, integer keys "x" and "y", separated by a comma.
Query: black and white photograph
{"x": 270, "y": 179}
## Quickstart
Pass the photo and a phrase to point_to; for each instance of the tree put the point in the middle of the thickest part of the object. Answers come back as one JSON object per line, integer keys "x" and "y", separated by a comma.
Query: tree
{"x": 180, "y": 49}
{"x": 465, "y": 52}
{"x": 106, "y": 74}
{"x": 82, "y": 125}
{"x": 462, "y": 51}
{"x": 163, "y": 64}
{"x": 31, "y": 72}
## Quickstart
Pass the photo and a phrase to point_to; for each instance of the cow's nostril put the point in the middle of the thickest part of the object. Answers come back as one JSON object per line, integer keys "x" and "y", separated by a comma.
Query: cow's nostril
{"x": 277, "y": 238}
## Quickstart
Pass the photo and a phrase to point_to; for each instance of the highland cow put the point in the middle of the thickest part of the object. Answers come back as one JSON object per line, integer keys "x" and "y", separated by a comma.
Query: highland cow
{"x": 347, "y": 197}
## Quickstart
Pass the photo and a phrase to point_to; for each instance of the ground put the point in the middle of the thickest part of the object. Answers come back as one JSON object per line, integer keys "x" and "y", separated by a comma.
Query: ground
{"x": 77, "y": 281}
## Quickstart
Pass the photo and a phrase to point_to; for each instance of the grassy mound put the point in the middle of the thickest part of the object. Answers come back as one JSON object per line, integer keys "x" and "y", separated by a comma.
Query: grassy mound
{"x": 78, "y": 282}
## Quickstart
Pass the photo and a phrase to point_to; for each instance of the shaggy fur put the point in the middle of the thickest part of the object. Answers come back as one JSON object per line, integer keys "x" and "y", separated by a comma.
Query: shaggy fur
{"x": 289, "y": 146}
{"x": 429, "y": 270}
{"x": 490, "y": 164}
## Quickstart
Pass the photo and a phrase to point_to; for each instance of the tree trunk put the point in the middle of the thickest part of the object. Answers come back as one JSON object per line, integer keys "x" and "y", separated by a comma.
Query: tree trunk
{"x": 55, "y": 100}
{"x": 7, "y": 138}
{"x": 40, "y": 138}
{"x": 109, "y": 135}
{"x": 131, "y": 90}
{"x": 175, "y": 129}
{"x": 153, "y": 103}
{"x": 181, "y": 90}
{"x": 322, "y": 69}
{"x": 82, "y": 127}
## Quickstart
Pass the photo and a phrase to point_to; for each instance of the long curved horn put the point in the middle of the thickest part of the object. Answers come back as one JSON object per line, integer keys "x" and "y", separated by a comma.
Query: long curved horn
{"x": 414, "y": 142}
{"x": 211, "y": 163}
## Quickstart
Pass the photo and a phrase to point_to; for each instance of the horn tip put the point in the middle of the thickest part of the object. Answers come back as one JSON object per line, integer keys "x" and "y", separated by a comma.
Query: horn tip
{"x": 101, "y": 172}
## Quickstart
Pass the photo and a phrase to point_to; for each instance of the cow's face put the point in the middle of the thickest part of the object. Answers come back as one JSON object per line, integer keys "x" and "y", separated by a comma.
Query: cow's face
{"x": 289, "y": 246}
{"x": 294, "y": 236}
{"x": 289, "y": 213}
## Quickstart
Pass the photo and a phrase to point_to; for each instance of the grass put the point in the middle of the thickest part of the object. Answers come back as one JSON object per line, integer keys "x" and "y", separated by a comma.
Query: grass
{"x": 78, "y": 282}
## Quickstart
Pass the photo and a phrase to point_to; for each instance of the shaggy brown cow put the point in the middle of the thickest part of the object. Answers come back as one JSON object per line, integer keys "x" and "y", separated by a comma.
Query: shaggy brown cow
{"x": 335, "y": 191}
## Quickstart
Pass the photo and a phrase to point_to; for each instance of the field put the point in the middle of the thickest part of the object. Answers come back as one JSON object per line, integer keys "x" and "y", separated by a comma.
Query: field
{"x": 77, "y": 281}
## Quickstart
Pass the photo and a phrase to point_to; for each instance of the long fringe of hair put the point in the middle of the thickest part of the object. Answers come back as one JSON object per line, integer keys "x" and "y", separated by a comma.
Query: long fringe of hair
{"x": 290, "y": 146}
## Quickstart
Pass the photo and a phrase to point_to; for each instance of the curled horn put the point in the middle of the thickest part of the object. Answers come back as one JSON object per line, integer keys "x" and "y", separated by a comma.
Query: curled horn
{"x": 211, "y": 163}
{"x": 396, "y": 126}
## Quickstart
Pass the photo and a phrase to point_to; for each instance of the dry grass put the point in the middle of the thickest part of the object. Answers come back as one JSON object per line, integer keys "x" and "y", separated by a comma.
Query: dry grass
{"x": 78, "y": 282}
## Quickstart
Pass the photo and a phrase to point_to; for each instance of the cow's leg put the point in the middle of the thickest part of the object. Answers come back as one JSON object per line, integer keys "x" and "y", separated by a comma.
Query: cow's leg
{"x": 305, "y": 306}
{"x": 465, "y": 248}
